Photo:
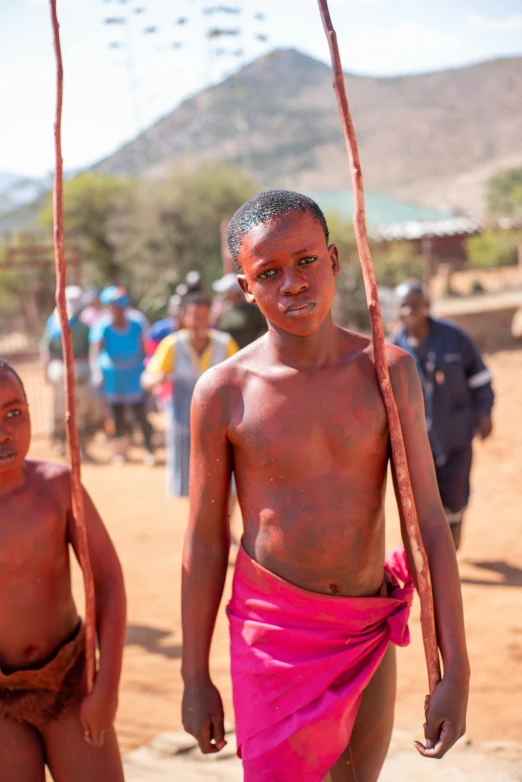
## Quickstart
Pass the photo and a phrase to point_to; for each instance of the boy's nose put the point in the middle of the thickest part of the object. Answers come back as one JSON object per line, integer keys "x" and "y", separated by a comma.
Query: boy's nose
{"x": 4, "y": 434}
{"x": 293, "y": 283}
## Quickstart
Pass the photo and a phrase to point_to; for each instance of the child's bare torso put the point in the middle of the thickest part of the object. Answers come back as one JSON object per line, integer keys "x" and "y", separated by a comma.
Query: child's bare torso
{"x": 37, "y": 611}
{"x": 310, "y": 451}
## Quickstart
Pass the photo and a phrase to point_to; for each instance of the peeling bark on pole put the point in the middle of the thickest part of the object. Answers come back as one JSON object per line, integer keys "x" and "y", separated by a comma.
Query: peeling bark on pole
{"x": 68, "y": 357}
{"x": 406, "y": 498}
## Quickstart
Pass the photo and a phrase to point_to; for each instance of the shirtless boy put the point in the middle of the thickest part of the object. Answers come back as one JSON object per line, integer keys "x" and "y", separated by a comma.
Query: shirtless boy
{"x": 46, "y": 718}
{"x": 299, "y": 418}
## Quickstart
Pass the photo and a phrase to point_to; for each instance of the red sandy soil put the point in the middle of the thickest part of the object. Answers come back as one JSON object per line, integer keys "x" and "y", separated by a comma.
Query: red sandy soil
{"x": 148, "y": 531}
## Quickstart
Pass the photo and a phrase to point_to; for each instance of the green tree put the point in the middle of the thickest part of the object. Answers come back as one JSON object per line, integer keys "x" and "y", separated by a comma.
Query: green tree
{"x": 504, "y": 194}
{"x": 492, "y": 249}
{"x": 393, "y": 263}
{"x": 350, "y": 302}
{"x": 177, "y": 228}
{"x": 99, "y": 211}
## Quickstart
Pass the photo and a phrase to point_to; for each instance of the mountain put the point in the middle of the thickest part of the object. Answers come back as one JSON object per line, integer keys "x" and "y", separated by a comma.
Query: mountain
{"x": 22, "y": 198}
{"x": 16, "y": 190}
{"x": 432, "y": 138}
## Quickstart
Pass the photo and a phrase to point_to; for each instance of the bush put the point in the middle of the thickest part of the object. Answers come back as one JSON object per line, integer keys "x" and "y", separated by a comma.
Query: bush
{"x": 147, "y": 234}
{"x": 505, "y": 194}
{"x": 492, "y": 249}
{"x": 396, "y": 263}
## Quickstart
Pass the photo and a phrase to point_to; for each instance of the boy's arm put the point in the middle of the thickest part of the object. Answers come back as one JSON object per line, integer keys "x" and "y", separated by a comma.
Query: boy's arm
{"x": 446, "y": 718}
{"x": 160, "y": 365}
{"x": 479, "y": 384}
{"x": 205, "y": 556}
{"x": 99, "y": 709}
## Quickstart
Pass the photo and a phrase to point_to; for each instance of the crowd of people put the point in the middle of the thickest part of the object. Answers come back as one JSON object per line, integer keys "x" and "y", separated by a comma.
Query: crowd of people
{"x": 125, "y": 367}
{"x": 296, "y": 422}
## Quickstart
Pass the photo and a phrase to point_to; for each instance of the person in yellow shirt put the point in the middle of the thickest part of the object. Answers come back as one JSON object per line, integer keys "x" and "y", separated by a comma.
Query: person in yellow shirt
{"x": 182, "y": 358}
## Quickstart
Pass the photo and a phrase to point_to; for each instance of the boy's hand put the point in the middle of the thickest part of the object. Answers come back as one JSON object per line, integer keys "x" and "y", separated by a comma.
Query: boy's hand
{"x": 97, "y": 715}
{"x": 203, "y": 715}
{"x": 445, "y": 717}
{"x": 484, "y": 426}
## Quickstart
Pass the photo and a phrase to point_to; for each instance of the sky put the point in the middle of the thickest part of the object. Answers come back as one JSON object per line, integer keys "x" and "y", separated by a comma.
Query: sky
{"x": 111, "y": 92}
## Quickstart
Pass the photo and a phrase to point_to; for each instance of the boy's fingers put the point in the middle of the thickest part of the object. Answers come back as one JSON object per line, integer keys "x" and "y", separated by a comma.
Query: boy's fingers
{"x": 204, "y": 741}
{"x": 86, "y": 730}
{"x": 437, "y": 752}
{"x": 432, "y": 731}
{"x": 218, "y": 732}
{"x": 97, "y": 740}
{"x": 440, "y": 747}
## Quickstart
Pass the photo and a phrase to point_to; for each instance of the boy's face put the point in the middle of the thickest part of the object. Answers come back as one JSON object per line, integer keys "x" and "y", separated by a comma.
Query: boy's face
{"x": 15, "y": 423}
{"x": 196, "y": 320}
{"x": 289, "y": 270}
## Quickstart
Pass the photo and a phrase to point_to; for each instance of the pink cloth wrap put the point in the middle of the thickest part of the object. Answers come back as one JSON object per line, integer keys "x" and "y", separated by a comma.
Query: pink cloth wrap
{"x": 300, "y": 663}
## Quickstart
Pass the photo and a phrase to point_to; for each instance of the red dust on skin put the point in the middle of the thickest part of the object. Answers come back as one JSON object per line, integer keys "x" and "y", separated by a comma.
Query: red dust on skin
{"x": 37, "y": 611}
{"x": 299, "y": 415}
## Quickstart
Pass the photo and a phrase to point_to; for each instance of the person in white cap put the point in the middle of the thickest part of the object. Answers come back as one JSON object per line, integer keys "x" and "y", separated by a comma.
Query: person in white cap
{"x": 243, "y": 321}
{"x": 89, "y": 414}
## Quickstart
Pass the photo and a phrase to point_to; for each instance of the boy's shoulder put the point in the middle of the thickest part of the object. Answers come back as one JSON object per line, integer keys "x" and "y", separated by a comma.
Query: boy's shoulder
{"x": 217, "y": 382}
{"x": 360, "y": 346}
{"x": 51, "y": 476}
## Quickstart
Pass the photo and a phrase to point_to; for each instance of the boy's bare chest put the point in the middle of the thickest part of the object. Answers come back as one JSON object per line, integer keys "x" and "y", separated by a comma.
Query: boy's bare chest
{"x": 32, "y": 534}
{"x": 298, "y": 419}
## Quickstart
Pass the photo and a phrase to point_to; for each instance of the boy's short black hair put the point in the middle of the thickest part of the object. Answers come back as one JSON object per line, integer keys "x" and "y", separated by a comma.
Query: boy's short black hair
{"x": 200, "y": 299}
{"x": 7, "y": 367}
{"x": 264, "y": 207}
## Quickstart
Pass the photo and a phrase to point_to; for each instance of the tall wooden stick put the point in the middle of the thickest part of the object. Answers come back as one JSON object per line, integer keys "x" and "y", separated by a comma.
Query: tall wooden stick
{"x": 406, "y": 498}
{"x": 68, "y": 356}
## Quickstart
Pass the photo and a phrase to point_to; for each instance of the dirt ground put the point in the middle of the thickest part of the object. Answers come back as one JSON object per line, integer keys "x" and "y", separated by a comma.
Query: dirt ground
{"x": 148, "y": 530}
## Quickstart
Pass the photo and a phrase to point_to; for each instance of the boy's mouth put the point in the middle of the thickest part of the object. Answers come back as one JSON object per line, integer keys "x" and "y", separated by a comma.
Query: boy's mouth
{"x": 299, "y": 310}
{"x": 7, "y": 455}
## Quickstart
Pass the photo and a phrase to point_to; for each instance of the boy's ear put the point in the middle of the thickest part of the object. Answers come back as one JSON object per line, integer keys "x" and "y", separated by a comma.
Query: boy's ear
{"x": 334, "y": 258}
{"x": 249, "y": 296}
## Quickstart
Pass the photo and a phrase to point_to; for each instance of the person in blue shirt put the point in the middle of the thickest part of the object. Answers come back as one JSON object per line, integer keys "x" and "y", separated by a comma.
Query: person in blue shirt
{"x": 458, "y": 395}
{"x": 89, "y": 415}
{"x": 117, "y": 362}
{"x": 166, "y": 326}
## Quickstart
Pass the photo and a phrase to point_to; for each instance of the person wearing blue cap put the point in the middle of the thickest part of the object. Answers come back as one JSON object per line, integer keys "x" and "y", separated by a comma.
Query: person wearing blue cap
{"x": 117, "y": 361}
{"x": 88, "y": 413}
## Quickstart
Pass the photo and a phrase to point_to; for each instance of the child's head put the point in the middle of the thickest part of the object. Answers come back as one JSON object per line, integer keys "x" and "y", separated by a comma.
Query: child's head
{"x": 279, "y": 243}
{"x": 195, "y": 312}
{"x": 15, "y": 423}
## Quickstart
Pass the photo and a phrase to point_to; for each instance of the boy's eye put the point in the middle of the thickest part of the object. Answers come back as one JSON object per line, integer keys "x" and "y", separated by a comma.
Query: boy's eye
{"x": 14, "y": 413}
{"x": 268, "y": 274}
{"x": 307, "y": 261}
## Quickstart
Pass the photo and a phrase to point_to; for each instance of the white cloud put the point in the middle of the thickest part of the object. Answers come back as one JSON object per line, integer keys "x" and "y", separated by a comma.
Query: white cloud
{"x": 508, "y": 24}
{"x": 410, "y": 35}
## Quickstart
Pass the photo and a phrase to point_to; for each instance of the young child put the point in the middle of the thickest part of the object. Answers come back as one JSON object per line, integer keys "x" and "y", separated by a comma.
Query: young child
{"x": 299, "y": 416}
{"x": 46, "y": 718}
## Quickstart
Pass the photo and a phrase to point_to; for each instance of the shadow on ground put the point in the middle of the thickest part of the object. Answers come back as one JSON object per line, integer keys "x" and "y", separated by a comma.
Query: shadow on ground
{"x": 150, "y": 638}
{"x": 511, "y": 576}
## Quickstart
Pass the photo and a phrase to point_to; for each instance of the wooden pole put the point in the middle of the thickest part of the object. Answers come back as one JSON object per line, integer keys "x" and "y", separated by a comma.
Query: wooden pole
{"x": 68, "y": 356}
{"x": 427, "y": 257}
{"x": 406, "y": 499}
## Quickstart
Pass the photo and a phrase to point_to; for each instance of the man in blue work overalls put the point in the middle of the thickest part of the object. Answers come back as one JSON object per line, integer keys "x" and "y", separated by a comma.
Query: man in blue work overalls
{"x": 457, "y": 395}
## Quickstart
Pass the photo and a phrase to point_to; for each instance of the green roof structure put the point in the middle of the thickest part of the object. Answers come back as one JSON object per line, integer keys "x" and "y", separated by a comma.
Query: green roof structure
{"x": 381, "y": 210}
